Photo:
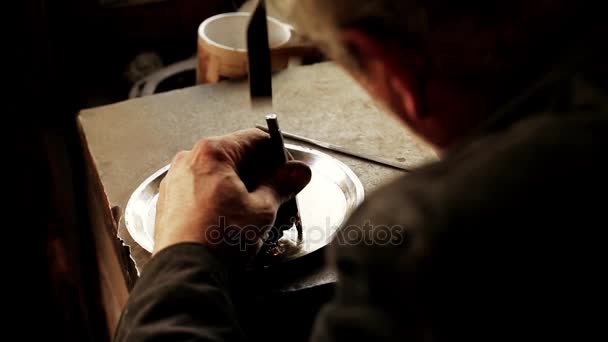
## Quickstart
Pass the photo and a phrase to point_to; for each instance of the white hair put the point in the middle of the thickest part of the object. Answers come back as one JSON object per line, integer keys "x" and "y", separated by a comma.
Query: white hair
{"x": 321, "y": 20}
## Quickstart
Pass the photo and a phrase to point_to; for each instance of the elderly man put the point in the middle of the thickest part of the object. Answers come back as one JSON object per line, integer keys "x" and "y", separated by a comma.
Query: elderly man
{"x": 498, "y": 240}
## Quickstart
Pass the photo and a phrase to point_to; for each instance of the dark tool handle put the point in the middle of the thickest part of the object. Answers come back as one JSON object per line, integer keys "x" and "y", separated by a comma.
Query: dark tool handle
{"x": 258, "y": 51}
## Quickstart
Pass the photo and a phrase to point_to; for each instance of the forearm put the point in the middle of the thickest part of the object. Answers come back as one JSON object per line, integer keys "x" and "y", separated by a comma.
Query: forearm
{"x": 180, "y": 296}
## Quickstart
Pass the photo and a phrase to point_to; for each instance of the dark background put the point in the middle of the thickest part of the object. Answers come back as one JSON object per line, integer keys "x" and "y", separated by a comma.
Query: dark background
{"x": 66, "y": 55}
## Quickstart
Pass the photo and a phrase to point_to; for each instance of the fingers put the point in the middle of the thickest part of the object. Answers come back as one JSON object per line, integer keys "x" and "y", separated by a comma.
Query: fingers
{"x": 249, "y": 137}
{"x": 250, "y": 150}
{"x": 180, "y": 156}
{"x": 243, "y": 142}
{"x": 245, "y": 153}
{"x": 232, "y": 149}
{"x": 286, "y": 182}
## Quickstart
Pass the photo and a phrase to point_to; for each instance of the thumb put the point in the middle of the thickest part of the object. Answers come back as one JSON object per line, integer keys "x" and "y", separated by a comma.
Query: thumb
{"x": 286, "y": 182}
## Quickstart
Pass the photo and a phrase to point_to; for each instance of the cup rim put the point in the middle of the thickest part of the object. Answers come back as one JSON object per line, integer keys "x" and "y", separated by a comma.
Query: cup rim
{"x": 203, "y": 26}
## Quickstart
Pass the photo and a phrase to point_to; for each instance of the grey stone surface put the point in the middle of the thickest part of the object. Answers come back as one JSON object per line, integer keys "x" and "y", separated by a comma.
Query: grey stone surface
{"x": 130, "y": 140}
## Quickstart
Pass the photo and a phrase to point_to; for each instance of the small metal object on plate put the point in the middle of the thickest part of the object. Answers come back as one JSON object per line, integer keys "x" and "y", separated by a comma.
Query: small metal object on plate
{"x": 332, "y": 194}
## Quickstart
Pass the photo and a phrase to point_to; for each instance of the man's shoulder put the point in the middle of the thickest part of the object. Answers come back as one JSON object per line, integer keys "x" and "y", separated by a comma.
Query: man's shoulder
{"x": 534, "y": 160}
{"x": 538, "y": 146}
{"x": 504, "y": 197}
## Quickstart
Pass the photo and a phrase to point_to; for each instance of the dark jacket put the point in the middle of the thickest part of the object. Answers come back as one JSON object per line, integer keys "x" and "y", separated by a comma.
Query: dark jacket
{"x": 501, "y": 239}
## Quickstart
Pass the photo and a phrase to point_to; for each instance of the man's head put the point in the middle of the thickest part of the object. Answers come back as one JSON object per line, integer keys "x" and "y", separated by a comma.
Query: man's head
{"x": 442, "y": 66}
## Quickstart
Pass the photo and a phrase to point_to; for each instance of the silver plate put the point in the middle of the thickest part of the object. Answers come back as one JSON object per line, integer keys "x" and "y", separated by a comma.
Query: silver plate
{"x": 333, "y": 193}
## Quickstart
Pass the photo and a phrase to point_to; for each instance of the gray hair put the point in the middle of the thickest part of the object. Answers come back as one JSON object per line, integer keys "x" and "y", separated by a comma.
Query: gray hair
{"x": 507, "y": 40}
{"x": 321, "y": 20}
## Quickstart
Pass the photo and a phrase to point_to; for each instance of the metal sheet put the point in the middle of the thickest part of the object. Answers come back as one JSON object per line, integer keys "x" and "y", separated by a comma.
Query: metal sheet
{"x": 333, "y": 193}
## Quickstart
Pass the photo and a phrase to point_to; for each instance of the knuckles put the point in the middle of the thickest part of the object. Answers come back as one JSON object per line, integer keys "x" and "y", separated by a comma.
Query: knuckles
{"x": 267, "y": 207}
{"x": 211, "y": 148}
{"x": 181, "y": 155}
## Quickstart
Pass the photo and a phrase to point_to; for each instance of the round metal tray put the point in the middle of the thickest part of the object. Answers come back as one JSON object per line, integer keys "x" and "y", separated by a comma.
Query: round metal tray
{"x": 332, "y": 194}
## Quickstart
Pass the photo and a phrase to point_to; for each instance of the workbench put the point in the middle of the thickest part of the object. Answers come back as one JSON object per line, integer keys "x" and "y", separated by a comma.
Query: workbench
{"x": 128, "y": 141}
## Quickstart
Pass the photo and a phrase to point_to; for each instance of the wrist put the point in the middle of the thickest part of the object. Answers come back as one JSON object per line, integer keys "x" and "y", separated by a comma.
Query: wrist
{"x": 198, "y": 255}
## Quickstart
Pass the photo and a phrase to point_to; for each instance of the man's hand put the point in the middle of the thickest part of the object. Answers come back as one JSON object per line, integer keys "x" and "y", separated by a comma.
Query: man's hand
{"x": 225, "y": 194}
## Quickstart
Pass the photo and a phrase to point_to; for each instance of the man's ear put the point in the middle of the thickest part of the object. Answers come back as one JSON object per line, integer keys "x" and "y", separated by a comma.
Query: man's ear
{"x": 388, "y": 71}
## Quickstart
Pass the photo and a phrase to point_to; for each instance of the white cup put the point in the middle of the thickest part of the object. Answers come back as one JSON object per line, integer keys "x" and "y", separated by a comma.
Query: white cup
{"x": 222, "y": 46}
